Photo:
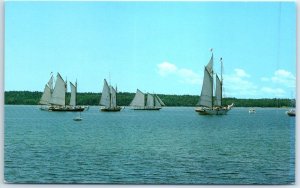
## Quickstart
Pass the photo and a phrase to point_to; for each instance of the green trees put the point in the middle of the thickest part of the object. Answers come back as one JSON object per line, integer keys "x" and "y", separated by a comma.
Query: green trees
{"x": 124, "y": 99}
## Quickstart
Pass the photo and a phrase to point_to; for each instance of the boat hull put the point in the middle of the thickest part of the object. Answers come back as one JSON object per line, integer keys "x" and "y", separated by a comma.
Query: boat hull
{"x": 116, "y": 109}
{"x": 64, "y": 108}
{"x": 291, "y": 113}
{"x": 214, "y": 110}
{"x": 148, "y": 108}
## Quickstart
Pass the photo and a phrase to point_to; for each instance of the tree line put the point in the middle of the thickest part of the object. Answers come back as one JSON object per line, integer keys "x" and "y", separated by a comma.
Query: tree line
{"x": 124, "y": 99}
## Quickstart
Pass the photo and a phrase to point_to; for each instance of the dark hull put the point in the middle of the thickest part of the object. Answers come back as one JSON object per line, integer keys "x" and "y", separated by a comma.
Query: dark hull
{"x": 146, "y": 108}
{"x": 117, "y": 109}
{"x": 291, "y": 113}
{"x": 64, "y": 108}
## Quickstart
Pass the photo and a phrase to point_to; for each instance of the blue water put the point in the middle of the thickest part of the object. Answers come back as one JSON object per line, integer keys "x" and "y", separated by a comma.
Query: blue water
{"x": 170, "y": 146}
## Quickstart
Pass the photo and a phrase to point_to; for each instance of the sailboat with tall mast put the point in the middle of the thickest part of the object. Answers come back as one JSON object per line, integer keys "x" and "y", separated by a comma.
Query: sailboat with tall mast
{"x": 54, "y": 99}
{"x": 139, "y": 101}
{"x": 109, "y": 99}
{"x": 210, "y": 105}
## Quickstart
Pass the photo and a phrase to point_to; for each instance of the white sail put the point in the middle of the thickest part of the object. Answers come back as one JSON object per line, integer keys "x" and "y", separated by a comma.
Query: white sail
{"x": 150, "y": 100}
{"x": 113, "y": 97}
{"x": 59, "y": 92}
{"x": 73, "y": 94}
{"x": 105, "y": 96}
{"x": 160, "y": 101}
{"x": 139, "y": 99}
{"x": 206, "y": 98}
{"x": 46, "y": 95}
{"x": 218, "y": 99}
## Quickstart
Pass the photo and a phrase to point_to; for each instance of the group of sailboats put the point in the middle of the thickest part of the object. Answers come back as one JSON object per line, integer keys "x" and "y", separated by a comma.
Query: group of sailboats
{"x": 210, "y": 102}
{"x": 54, "y": 98}
{"x": 210, "y": 105}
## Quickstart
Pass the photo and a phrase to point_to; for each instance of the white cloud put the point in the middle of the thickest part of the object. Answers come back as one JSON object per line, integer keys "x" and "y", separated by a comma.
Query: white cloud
{"x": 237, "y": 85}
{"x": 185, "y": 75}
{"x": 265, "y": 79}
{"x": 278, "y": 92}
{"x": 284, "y": 77}
{"x": 166, "y": 68}
{"x": 241, "y": 73}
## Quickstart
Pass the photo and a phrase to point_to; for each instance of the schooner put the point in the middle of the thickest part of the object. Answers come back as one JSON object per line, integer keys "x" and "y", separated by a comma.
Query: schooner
{"x": 54, "y": 99}
{"x": 153, "y": 102}
{"x": 109, "y": 99}
{"x": 210, "y": 105}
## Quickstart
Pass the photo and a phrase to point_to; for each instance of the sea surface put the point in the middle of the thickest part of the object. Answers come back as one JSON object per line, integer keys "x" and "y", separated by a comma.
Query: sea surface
{"x": 172, "y": 146}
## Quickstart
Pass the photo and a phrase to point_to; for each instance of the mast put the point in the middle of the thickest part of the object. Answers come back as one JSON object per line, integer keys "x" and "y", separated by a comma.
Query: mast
{"x": 66, "y": 90}
{"x": 212, "y": 77}
{"x": 221, "y": 79}
{"x": 76, "y": 92}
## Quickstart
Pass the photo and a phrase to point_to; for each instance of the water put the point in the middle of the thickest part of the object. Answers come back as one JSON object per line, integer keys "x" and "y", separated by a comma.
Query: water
{"x": 170, "y": 146}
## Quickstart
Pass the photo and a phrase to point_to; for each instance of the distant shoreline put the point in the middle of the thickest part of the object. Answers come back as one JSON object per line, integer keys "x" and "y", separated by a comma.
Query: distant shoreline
{"x": 124, "y": 99}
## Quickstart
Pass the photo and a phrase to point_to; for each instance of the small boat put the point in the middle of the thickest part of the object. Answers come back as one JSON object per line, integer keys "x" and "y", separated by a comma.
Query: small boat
{"x": 78, "y": 118}
{"x": 291, "y": 112}
{"x": 109, "y": 99}
{"x": 153, "y": 102}
{"x": 210, "y": 105}
{"x": 252, "y": 111}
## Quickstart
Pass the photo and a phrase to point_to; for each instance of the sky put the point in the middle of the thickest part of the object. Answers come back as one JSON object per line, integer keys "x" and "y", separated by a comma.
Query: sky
{"x": 157, "y": 47}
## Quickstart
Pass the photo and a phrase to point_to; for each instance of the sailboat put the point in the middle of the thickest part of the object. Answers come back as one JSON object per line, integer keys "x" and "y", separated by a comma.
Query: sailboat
{"x": 209, "y": 106}
{"x": 153, "y": 102}
{"x": 55, "y": 99}
{"x": 78, "y": 118}
{"x": 109, "y": 99}
{"x": 292, "y": 111}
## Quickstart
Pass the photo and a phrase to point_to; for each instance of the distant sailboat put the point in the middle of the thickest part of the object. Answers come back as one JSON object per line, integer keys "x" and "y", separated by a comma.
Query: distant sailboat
{"x": 292, "y": 111}
{"x": 252, "y": 111}
{"x": 153, "y": 102}
{"x": 109, "y": 99}
{"x": 209, "y": 106}
{"x": 78, "y": 118}
{"x": 55, "y": 99}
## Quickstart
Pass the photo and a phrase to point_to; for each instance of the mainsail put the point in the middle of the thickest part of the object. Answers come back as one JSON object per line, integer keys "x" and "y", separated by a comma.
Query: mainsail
{"x": 139, "y": 99}
{"x": 105, "y": 96}
{"x": 73, "y": 94}
{"x": 206, "y": 97}
{"x": 150, "y": 101}
{"x": 59, "y": 92}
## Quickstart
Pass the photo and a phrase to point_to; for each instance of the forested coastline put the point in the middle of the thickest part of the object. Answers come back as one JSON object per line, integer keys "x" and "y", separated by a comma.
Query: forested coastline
{"x": 124, "y": 99}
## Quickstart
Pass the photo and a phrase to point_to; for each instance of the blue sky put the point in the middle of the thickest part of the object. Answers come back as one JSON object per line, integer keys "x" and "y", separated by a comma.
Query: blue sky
{"x": 159, "y": 47}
